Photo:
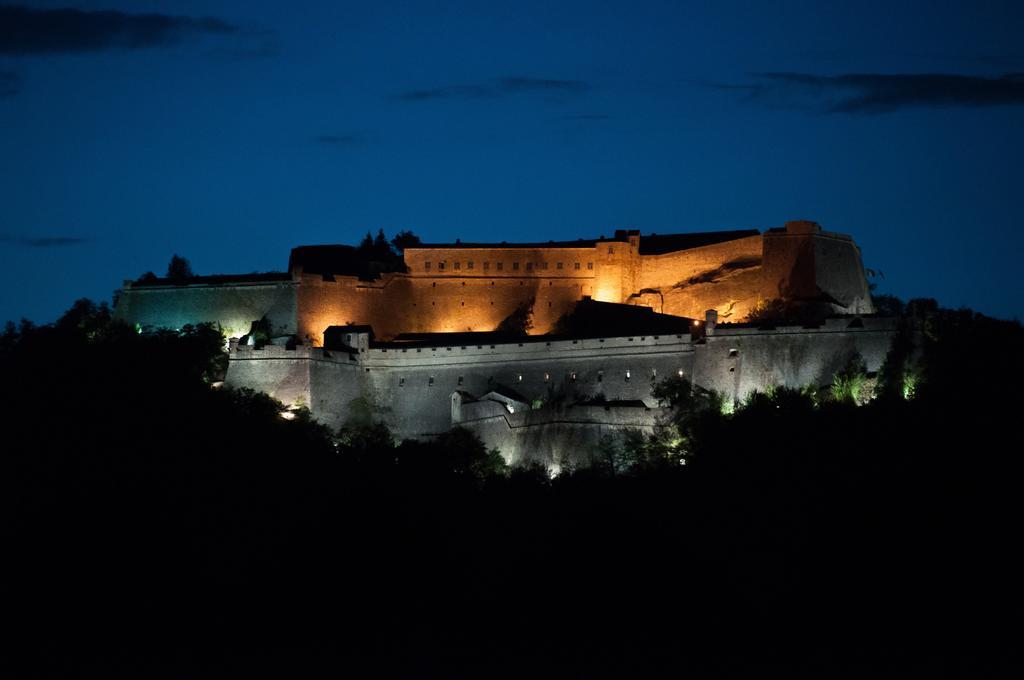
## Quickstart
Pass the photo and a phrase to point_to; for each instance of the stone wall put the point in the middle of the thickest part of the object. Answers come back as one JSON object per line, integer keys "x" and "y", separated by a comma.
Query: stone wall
{"x": 738, "y": 361}
{"x": 282, "y": 373}
{"x": 232, "y": 305}
{"x": 413, "y": 386}
{"x": 558, "y": 437}
{"x": 804, "y": 263}
{"x": 566, "y": 394}
{"x": 460, "y": 288}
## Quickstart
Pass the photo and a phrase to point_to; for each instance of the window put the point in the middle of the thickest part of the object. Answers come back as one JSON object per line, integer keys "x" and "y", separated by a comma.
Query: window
{"x": 469, "y": 265}
{"x": 458, "y": 265}
{"x": 520, "y": 377}
{"x": 547, "y": 376}
{"x": 572, "y": 376}
{"x": 431, "y": 381}
{"x": 501, "y": 265}
{"x": 734, "y": 353}
{"x": 600, "y": 376}
{"x": 440, "y": 266}
{"x": 401, "y": 382}
{"x": 576, "y": 265}
{"x": 487, "y": 266}
{"x": 515, "y": 265}
{"x": 426, "y": 266}
{"x": 628, "y": 375}
{"x": 460, "y": 379}
{"x": 529, "y": 266}
{"x": 590, "y": 265}
{"x": 543, "y": 265}
{"x": 558, "y": 266}
{"x": 609, "y": 250}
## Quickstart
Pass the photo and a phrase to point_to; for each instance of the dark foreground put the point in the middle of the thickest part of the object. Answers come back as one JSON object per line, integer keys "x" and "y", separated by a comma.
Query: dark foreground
{"x": 155, "y": 527}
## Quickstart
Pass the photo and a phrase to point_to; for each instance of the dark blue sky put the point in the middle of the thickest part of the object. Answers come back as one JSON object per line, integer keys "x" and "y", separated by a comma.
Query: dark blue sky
{"x": 229, "y": 132}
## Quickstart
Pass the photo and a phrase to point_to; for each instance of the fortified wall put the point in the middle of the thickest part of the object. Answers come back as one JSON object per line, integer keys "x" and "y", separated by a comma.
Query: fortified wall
{"x": 233, "y": 302}
{"x": 475, "y": 287}
{"x": 548, "y": 399}
{"x": 539, "y": 348}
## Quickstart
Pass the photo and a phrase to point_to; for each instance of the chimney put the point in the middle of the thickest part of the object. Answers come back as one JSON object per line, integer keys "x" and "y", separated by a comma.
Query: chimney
{"x": 710, "y": 321}
{"x": 802, "y": 227}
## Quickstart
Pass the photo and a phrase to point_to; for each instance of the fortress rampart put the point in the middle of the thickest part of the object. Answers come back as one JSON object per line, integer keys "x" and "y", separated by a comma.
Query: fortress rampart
{"x": 232, "y": 302}
{"x": 547, "y": 399}
{"x": 464, "y": 287}
{"x": 540, "y": 348}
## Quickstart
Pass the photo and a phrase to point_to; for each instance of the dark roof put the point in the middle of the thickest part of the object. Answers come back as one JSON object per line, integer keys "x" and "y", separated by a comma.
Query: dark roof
{"x": 658, "y": 244}
{"x": 334, "y": 336}
{"x": 650, "y": 244}
{"x": 341, "y": 260}
{"x": 581, "y": 243}
{"x": 451, "y": 339}
{"x": 507, "y": 392}
{"x": 614, "y": 403}
{"x": 589, "y": 319}
{"x": 214, "y": 279}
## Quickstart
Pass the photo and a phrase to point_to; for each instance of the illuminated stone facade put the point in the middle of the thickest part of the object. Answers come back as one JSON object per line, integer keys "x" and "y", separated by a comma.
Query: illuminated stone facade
{"x": 548, "y": 398}
{"x": 415, "y": 341}
{"x": 465, "y": 287}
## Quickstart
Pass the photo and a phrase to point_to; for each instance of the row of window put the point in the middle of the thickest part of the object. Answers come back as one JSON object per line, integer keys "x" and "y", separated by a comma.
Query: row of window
{"x": 500, "y": 266}
{"x": 547, "y": 377}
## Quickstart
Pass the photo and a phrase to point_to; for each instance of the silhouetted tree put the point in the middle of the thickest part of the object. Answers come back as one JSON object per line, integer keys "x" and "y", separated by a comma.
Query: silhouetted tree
{"x": 179, "y": 270}
{"x": 888, "y": 305}
{"x": 366, "y": 245}
{"x": 381, "y": 248}
{"x": 405, "y": 239}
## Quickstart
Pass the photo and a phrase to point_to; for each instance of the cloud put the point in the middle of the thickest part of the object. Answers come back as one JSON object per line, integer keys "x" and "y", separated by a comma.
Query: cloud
{"x": 10, "y": 84}
{"x": 42, "y": 242}
{"x": 519, "y": 84}
{"x": 24, "y": 30}
{"x": 873, "y": 93}
{"x": 496, "y": 88}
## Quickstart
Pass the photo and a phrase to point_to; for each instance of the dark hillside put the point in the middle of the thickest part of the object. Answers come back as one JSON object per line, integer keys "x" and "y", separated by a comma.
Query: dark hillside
{"x": 155, "y": 526}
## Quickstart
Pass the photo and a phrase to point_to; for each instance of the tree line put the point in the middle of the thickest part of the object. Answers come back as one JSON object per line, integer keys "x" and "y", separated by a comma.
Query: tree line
{"x": 158, "y": 525}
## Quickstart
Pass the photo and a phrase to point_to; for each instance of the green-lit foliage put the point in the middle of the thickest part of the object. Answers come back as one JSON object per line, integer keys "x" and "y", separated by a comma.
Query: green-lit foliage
{"x": 851, "y": 384}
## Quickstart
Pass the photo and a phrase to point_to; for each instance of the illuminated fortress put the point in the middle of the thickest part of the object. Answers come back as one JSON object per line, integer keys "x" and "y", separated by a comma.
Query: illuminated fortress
{"x": 539, "y": 347}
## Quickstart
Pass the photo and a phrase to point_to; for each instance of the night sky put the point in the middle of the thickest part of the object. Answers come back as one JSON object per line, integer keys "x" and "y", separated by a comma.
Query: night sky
{"x": 230, "y": 132}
